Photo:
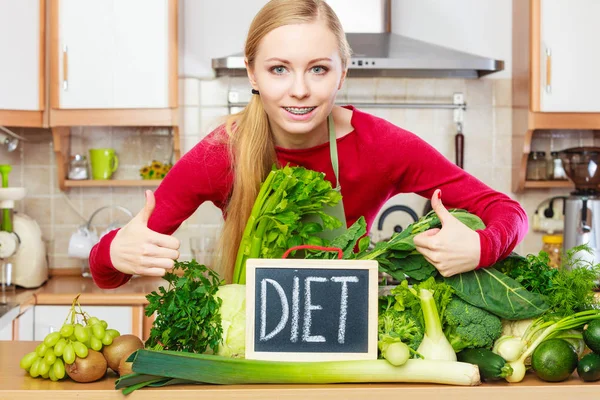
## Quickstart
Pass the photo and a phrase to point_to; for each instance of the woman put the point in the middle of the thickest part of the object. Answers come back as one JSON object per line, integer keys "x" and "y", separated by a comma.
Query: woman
{"x": 297, "y": 60}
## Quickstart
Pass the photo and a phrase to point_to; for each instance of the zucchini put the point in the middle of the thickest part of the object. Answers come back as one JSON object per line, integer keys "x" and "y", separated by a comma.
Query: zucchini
{"x": 491, "y": 365}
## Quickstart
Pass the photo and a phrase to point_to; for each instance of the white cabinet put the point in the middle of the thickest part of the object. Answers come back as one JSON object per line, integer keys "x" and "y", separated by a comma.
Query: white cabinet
{"x": 25, "y": 324}
{"x": 20, "y": 55}
{"x": 6, "y": 332}
{"x": 569, "y": 56}
{"x": 113, "y": 54}
{"x": 50, "y": 318}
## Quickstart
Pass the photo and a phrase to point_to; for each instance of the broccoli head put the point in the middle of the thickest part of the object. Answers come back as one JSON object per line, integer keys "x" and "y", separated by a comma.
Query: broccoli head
{"x": 468, "y": 326}
{"x": 399, "y": 326}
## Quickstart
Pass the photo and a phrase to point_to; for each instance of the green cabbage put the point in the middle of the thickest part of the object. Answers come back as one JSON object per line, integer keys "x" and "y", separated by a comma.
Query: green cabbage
{"x": 233, "y": 320}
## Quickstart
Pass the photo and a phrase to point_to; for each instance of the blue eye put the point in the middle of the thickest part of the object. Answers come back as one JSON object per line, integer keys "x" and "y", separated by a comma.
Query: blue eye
{"x": 319, "y": 69}
{"x": 278, "y": 70}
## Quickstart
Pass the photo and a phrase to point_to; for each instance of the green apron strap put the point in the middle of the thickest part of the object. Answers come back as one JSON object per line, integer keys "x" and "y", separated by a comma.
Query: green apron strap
{"x": 333, "y": 151}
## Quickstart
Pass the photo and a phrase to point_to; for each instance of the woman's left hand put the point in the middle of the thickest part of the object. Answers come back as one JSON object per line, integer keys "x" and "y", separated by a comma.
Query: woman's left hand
{"x": 454, "y": 248}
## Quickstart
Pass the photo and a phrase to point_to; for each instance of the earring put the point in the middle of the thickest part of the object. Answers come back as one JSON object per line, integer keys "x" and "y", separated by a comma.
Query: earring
{"x": 254, "y": 91}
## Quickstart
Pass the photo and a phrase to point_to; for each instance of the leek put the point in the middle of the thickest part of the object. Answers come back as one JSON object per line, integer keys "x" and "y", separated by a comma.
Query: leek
{"x": 206, "y": 368}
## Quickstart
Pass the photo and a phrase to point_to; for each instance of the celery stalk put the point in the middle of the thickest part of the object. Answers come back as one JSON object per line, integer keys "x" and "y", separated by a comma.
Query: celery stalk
{"x": 239, "y": 272}
{"x": 223, "y": 370}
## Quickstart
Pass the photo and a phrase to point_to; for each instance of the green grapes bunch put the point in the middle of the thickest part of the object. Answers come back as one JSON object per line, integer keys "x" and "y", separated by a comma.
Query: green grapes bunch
{"x": 78, "y": 333}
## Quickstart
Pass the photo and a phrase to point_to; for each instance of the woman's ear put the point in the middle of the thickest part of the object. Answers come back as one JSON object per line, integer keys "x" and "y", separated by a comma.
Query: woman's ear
{"x": 343, "y": 78}
{"x": 250, "y": 73}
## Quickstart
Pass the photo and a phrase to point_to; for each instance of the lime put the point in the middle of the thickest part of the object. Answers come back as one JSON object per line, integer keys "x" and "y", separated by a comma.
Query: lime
{"x": 554, "y": 360}
{"x": 588, "y": 368}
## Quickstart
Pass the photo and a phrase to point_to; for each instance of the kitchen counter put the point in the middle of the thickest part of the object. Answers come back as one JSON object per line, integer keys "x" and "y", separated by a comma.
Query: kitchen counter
{"x": 62, "y": 290}
{"x": 16, "y": 384}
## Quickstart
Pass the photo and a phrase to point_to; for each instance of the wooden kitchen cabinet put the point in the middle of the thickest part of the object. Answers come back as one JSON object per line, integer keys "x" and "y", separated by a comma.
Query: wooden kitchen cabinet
{"x": 22, "y": 50}
{"x": 113, "y": 62}
{"x": 555, "y": 89}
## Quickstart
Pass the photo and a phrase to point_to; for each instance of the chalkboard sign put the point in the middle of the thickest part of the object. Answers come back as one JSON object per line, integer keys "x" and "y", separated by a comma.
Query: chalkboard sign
{"x": 311, "y": 310}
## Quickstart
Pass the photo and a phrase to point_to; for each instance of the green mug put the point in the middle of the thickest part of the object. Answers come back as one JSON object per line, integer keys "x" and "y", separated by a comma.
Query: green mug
{"x": 103, "y": 162}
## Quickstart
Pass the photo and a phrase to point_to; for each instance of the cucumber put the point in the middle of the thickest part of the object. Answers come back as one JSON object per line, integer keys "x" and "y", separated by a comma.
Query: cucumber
{"x": 491, "y": 365}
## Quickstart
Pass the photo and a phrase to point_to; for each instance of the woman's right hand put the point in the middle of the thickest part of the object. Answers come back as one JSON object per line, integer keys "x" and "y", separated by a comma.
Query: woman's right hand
{"x": 136, "y": 249}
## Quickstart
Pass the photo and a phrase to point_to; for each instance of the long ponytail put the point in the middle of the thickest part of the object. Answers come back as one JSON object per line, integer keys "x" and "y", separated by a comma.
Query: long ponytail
{"x": 253, "y": 153}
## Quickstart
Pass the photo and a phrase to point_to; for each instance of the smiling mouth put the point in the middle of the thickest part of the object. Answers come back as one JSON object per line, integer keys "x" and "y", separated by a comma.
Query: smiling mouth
{"x": 299, "y": 110}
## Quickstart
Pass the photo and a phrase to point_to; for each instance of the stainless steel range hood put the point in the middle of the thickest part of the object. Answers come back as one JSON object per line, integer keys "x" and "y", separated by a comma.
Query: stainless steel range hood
{"x": 391, "y": 55}
{"x": 382, "y": 53}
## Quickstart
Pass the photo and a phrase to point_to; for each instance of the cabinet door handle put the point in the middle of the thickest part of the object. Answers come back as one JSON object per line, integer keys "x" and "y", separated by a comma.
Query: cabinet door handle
{"x": 548, "y": 70}
{"x": 65, "y": 83}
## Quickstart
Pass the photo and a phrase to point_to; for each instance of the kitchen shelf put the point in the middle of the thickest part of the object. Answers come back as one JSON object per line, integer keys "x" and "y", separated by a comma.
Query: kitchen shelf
{"x": 61, "y": 139}
{"x": 548, "y": 185}
{"x": 112, "y": 183}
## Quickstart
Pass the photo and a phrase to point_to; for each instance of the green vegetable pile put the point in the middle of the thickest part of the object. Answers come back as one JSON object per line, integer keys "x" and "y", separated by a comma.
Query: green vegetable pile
{"x": 426, "y": 317}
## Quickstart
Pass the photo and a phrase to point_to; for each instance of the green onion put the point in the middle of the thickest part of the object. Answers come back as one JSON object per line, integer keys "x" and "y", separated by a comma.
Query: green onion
{"x": 213, "y": 369}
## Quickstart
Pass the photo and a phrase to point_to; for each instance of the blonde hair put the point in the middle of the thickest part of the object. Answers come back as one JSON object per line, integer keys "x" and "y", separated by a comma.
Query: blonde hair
{"x": 251, "y": 142}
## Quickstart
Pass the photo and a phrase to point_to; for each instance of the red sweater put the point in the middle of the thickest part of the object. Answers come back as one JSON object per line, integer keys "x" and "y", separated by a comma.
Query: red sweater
{"x": 377, "y": 161}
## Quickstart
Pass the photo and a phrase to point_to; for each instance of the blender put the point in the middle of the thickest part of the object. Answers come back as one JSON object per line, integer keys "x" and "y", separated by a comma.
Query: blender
{"x": 9, "y": 240}
{"x": 582, "y": 207}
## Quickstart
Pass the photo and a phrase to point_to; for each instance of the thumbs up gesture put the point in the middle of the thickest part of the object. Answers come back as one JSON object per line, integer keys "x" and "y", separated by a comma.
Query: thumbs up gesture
{"x": 453, "y": 249}
{"x": 136, "y": 249}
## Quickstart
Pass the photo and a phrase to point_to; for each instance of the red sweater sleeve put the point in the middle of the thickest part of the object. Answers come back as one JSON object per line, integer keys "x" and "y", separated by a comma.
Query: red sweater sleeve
{"x": 422, "y": 169}
{"x": 202, "y": 174}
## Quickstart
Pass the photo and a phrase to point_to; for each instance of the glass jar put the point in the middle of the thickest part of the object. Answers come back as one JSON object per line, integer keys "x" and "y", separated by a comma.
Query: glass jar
{"x": 552, "y": 244}
{"x": 558, "y": 171}
{"x": 78, "y": 167}
{"x": 537, "y": 167}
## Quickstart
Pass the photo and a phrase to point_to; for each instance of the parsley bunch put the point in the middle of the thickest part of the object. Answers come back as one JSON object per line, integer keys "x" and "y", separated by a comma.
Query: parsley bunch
{"x": 567, "y": 290}
{"x": 188, "y": 317}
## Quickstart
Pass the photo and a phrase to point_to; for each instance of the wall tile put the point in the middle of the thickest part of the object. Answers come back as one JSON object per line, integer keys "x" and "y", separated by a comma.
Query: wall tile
{"x": 502, "y": 92}
{"x": 211, "y": 118}
{"x": 127, "y": 144}
{"x": 91, "y": 204}
{"x": 191, "y": 120}
{"x": 191, "y": 92}
{"x": 502, "y": 121}
{"x": 214, "y": 92}
{"x": 445, "y": 89}
{"x": 361, "y": 90}
{"x": 66, "y": 214}
{"x": 479, "y": 121}
{"x": 502, "y": 179}
{"x": 36, "y": 180}
{"x": 420, "y": 122}
{"x": 480, "y": 92}
{"x": 39, "y": 209}
{"x": 390, "y": 90}
{"x": 37, "y": 153}
{"x": 242, "y": 89}
{"x": 188, "y": 142}
{"x": 478, "y": 151}
{"x": 11, "y": 157}
{"x": 501, "y": 155}
{"x": 420, "y": 90}
{"x": 62, "y": 237}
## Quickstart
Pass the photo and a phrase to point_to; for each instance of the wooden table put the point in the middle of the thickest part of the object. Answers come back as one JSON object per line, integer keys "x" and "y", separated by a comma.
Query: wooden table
{"x": 16, "y": 384}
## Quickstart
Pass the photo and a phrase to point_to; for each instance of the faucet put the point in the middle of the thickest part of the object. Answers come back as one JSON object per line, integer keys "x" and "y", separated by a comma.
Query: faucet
{"x": 389, "y": 210}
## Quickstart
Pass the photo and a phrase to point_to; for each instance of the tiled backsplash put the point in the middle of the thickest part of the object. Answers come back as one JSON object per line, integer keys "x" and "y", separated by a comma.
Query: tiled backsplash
{"x": 487, "y": 130}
